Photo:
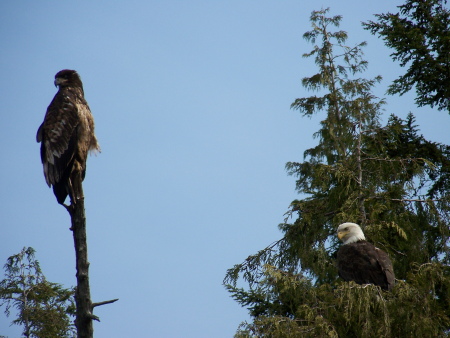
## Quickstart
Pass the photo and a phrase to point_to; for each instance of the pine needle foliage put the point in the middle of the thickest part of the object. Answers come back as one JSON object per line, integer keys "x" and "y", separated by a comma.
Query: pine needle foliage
{"x": 389, "y": 179}
{"x": 419, "y": 34}
{"x": 44, "y": 308}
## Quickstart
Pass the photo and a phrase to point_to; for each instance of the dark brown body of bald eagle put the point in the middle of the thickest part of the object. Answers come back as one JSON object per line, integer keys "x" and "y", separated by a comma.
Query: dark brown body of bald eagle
{"x": 67, "y": 135}
{"x": 361, "y": 261}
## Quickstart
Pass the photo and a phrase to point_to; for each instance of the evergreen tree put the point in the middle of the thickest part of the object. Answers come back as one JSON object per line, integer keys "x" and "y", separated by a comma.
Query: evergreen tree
{"x": 389, "y": 179}
{"x": 44, "y": 308}
{"x": 420, "y": 35}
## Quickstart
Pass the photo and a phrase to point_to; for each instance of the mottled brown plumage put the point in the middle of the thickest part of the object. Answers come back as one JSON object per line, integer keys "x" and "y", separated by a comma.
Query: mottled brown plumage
{"x": 67, "y": 135}
{"x": 361, "y": 261}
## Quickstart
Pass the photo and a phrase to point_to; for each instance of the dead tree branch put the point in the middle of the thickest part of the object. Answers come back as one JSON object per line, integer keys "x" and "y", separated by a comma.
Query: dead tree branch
{"x": 84, "y": 305}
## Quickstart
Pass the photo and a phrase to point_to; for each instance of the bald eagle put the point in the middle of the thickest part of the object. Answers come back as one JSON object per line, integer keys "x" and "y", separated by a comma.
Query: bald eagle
{"x": 67, "y": 135}
{"x": 361, "y": 261}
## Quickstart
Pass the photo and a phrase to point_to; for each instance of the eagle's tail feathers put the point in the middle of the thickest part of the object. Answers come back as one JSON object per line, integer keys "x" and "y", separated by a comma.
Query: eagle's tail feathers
{"x": 60, "y": 190}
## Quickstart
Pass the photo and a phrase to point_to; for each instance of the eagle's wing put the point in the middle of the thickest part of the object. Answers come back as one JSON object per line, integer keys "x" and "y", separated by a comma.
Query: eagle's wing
{"x": 376, "y": 267}
{"x": 386, "y": 265}
{"x": 58, "y": 134}
{"x": 363, "y": 263}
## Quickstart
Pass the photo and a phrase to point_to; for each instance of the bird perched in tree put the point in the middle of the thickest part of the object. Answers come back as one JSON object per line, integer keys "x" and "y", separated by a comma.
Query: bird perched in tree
{"x": 67, "y": 135}
{"x": 361, "y": 261}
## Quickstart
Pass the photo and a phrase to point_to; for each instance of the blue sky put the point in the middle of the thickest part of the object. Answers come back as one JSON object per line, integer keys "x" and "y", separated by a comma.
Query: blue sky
{"x": 191, "y": 103}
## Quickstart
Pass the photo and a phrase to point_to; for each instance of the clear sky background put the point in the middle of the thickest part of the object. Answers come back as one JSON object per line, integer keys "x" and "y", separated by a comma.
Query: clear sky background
{"x": 191, "y": 101}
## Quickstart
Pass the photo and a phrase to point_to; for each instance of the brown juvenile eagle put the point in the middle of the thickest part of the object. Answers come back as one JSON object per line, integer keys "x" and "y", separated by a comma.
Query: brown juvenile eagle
{"x": 67, "y": 135}
{"x": 361, "y": 261}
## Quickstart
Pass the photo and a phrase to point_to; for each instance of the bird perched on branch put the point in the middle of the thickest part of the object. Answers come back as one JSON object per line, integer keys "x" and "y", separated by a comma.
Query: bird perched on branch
{"x": 66, "y": 136}
{"x": 361, "y": 261}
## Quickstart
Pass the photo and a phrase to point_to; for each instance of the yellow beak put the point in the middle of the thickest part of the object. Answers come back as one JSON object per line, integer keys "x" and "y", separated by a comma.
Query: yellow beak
{"x": 342, "y": 234}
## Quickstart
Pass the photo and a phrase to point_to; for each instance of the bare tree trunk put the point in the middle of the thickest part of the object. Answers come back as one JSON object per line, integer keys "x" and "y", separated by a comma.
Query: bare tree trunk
{"x": 361, "y": 198}
{"x": 84, "y": 316}
{"x": 84, "y": 305}
{"x": 26, "y": 311}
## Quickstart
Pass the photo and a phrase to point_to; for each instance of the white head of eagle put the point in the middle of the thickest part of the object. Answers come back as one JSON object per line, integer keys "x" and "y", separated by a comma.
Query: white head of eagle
{"x": 350, "y": 233}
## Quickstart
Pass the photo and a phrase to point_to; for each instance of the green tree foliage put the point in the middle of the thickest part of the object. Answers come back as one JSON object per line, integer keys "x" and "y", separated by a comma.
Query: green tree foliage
{"x": 420, "y": 35}
{"x": 389, "y": 179}
{"x": 44, "y": 308}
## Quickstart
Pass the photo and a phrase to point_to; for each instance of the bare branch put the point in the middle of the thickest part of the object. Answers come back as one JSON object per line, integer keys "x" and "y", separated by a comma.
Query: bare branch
{"x": 414, "y": 200}
{"x": 104, "y": 303}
